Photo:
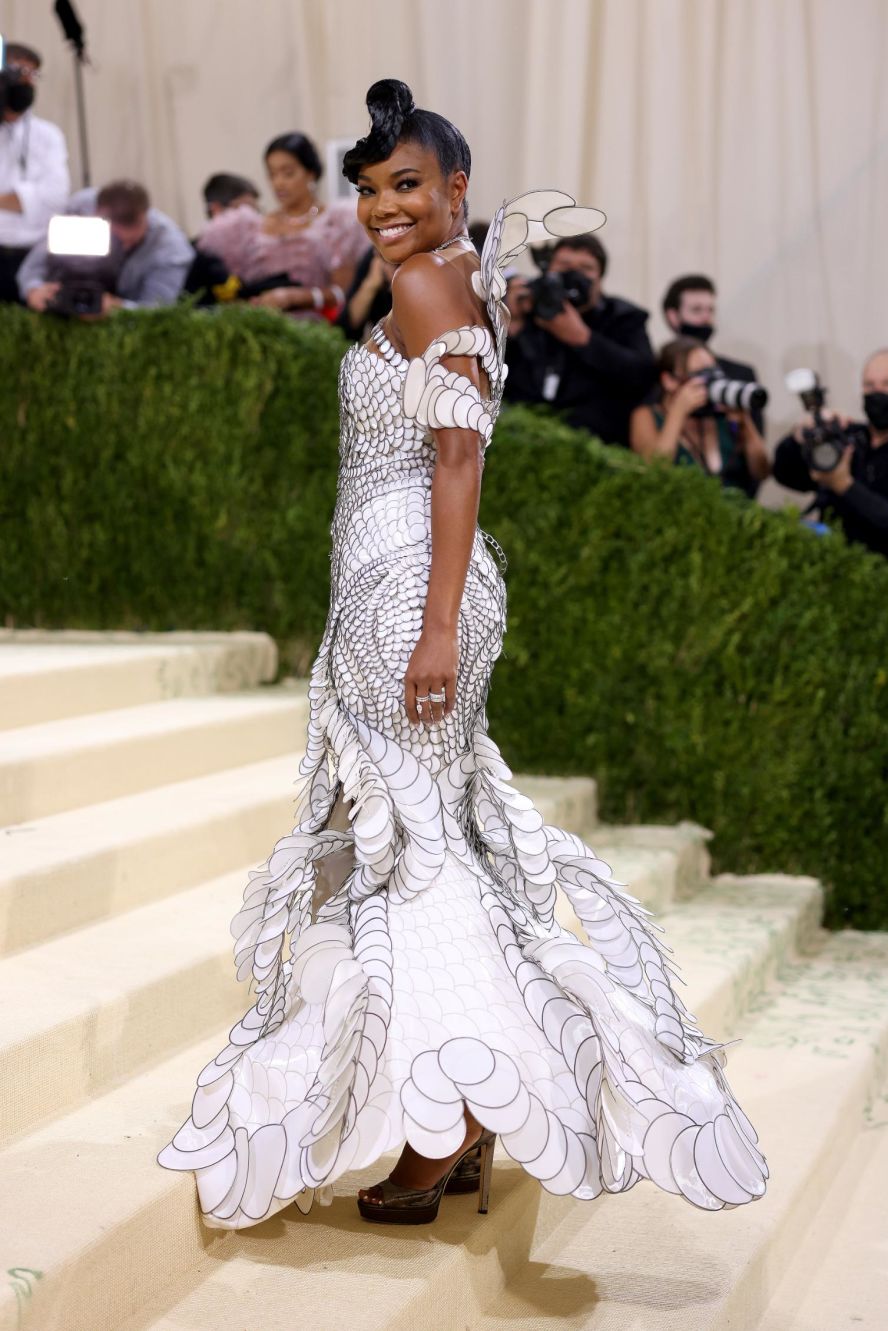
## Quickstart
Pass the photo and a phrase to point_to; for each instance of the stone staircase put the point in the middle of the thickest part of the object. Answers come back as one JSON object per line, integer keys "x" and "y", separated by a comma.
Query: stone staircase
{"x": 141, "y": 778}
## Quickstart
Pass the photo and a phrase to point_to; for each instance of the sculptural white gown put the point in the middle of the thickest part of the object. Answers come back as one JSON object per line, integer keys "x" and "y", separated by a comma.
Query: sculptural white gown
{"x": 411, "y": 964}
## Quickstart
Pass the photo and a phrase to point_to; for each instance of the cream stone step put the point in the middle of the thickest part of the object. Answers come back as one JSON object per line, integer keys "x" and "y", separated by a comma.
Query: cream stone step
{"x": 103, "y": 1001}
{"x": 658, "y": 865}
{"x": 806, "y": 1069}
{"x": 839, "y": 1276}
{"x": 686, "y": 841}
{"x": 83, "y": 1195}
{"x": 72, "y": 869}
{"x": 67, "y": 764}
{"x": 47, "y": 675}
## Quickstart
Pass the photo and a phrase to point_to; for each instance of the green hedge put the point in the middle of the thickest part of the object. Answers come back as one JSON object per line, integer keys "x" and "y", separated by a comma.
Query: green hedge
{"x": 702, "y": 657}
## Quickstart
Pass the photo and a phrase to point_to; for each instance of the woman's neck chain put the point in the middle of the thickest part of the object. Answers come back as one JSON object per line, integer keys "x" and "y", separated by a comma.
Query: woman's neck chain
{"x": 463, "y": 235}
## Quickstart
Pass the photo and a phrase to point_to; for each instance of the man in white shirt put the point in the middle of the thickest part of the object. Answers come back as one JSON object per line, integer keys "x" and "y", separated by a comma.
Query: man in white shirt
{"x": 34, "y": 179}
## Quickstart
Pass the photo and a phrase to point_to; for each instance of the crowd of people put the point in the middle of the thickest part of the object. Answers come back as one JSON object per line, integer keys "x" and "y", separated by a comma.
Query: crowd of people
{"x": 572, "y": 345}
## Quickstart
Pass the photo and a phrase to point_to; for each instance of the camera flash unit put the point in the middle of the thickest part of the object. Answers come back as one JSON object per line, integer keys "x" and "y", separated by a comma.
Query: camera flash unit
{"x": 83, "y": 236}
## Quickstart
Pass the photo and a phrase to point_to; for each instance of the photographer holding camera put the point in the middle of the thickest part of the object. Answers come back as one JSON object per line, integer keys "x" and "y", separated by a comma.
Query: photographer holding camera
{"x": 584, "y": 353}
{"x": 149, "y": 262}
{"x": 34, "y": 180}
{"x": 703, "y": 419}
{"x": 689, "y": 308}
{"x": 844, "y": 462}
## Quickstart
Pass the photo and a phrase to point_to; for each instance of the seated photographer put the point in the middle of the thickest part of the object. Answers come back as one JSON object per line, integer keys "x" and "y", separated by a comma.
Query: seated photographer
{"x": 34, "y": 180}
{"x": 149, "y": 260}
{"x": 312, "y": 248}
{"x": 584, "y": 353}
{"x": 687, "y": 427}
{"x": 856, "y": 486}
{"x": 689, "y": 308}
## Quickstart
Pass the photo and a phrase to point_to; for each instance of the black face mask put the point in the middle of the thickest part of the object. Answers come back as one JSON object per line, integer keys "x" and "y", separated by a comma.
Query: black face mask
{"x": 702, "y": 332}
{"x": 20, "y": 97}
{"x": 876, "y": 407}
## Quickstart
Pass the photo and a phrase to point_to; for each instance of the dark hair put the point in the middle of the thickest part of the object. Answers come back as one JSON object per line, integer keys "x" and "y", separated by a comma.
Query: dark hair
{"x": 394, "y": 119}
{"x": 125, "y": 201}
{"x": 674, "y": 356}
{"x": 589, "y": 244}
{"x": 299, "y": 146}
{"x": 18, "y": 51}
{"x": 676, "y": 289}
{"x": 223, "y": 188}
{"x": 478, "y": 234}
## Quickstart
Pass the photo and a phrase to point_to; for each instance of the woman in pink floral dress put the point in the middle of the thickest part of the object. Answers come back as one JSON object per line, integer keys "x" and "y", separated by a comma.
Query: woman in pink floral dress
{"x": 315, "y": 245}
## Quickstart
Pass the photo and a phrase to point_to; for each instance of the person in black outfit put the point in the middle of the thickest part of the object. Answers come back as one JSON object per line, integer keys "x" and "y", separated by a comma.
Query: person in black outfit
{"x": 368, "y": 299}
{"x": 208, "y": 271}
{"x": 857, "y": 490}
{"x": 593, "y": 363}
{"x": 689, "y": 308}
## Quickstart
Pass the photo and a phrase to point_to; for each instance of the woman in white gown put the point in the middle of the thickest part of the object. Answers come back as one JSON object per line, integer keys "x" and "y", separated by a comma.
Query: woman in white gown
{"x": 413, "y": 987}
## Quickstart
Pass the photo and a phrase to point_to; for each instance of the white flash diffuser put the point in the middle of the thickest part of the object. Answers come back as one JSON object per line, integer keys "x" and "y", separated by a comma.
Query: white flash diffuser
{"x": 82, "y": 236}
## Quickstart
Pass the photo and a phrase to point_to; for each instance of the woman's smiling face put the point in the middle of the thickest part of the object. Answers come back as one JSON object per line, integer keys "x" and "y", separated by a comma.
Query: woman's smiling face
{"x": 405, "y": 204}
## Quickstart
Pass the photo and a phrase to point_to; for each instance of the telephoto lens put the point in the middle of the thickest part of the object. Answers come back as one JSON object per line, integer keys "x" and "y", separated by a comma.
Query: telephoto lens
{"x": 734, "y": 394}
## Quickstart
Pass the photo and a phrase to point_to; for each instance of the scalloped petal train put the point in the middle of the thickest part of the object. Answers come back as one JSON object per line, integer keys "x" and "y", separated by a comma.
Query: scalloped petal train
{"x": 453, "y": 986}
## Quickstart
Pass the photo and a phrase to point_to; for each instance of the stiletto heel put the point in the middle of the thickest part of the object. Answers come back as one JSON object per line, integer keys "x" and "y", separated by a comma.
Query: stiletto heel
{"x": 419, "y": 1206}
{"x": 488, "y": 1144}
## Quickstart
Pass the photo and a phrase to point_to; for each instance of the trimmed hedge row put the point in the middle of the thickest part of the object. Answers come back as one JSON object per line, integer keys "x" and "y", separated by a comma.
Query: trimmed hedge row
{"x": 702, "y": 657}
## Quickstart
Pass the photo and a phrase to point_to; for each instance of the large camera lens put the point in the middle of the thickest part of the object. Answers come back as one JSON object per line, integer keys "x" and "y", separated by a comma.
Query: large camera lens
{"x": 735, "y": 394}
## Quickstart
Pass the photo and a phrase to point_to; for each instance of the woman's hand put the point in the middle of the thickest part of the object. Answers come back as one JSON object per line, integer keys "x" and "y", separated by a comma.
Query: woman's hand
{"x": 283, "y": 298}
{"x": 689, "y": 398}
{"x": 839, "y": 479}
{"x": 432, "y": 669}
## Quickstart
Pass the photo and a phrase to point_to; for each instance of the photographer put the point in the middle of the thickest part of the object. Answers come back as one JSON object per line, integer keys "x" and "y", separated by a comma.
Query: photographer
{"x": 687, "y": 427}
{"x": 34, "y": 180}
{"x": 585, "y": 354}
{"x": 689, "y": 308}
{"x": 857, "y": 488}
{"x": 150, "y": 256}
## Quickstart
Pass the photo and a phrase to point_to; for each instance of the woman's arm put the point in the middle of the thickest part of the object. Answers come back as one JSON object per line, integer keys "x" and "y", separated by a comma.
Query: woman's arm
{"x": 359, "y": 300}
{"x": 428, "y": 300}
{"x": 644, "y": 436}
{"x": 754, "y": 447}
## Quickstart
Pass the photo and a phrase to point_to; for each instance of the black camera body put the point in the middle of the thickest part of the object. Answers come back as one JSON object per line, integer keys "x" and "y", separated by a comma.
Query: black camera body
{"x": 823, "y": 443}
{"x": 552, "y": 291}
{"x": 724, "y": 394}
{"x": 83, "y": 279}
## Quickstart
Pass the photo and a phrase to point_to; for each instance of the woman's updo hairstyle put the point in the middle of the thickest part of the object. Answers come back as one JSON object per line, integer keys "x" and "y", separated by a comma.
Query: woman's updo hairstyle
{"x": 301, "y": 147}
{"x": 395, "y": 119}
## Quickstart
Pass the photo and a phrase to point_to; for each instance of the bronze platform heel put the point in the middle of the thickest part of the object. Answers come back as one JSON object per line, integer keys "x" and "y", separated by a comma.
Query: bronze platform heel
{"x": 419, "y": 1206}
{"x": 466, "y": 1176}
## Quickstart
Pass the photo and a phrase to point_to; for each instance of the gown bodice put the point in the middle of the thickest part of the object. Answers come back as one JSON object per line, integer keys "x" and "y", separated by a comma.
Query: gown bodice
{"x": 387, "y": 453}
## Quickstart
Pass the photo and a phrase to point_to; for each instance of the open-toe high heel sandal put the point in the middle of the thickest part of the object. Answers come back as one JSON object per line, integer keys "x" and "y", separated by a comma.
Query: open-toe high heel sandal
{"x": 419, "y": 1206}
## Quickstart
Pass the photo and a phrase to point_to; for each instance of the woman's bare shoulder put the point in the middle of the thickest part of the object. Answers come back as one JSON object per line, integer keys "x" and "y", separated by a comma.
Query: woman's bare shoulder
{"x": 428, "y": 288}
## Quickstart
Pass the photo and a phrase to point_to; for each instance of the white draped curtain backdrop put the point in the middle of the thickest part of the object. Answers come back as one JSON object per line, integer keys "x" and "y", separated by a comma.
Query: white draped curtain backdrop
{"x": 743, "y": 138}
